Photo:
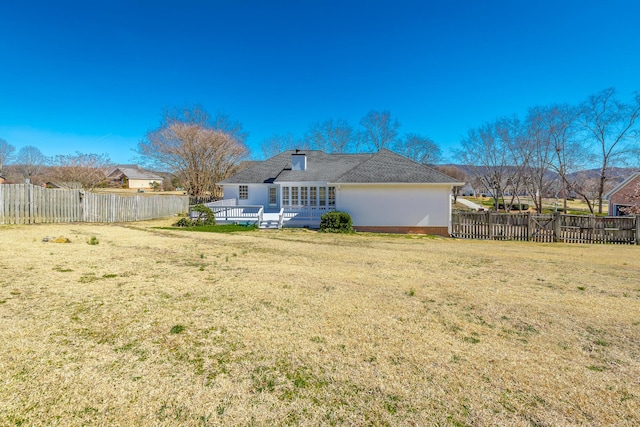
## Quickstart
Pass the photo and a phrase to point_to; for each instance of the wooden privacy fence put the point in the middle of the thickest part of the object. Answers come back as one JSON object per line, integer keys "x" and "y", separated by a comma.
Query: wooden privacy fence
{"x": 31, "y": 204}
{"x": 546, "y": 228}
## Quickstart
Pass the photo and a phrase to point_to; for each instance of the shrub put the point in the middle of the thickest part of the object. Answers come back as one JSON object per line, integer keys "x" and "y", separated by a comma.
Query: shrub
{"x": 183, "y": 222}
{"x": 336, "y": 222}
{"x": 205, "y": 215}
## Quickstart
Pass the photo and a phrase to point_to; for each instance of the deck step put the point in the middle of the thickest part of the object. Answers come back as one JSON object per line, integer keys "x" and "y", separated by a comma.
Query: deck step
{"x": 269, "y": 224}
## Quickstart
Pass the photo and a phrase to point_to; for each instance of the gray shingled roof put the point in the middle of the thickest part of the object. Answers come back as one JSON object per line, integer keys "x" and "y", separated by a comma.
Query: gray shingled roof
{"x": 133, "y": 172}
{"x": 381, "y": 167}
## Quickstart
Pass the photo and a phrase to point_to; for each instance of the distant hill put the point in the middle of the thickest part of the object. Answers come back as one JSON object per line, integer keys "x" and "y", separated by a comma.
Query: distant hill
{"x": 615, "y": 174}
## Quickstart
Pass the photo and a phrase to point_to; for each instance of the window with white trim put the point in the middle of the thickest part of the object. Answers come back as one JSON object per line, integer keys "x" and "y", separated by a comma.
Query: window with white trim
{"x": 273, "y": 196}
{"x": 313, "y": 196}
{"x": 294, "y": 196}
{"x": 323, "y": 196}
{"x": 304, "y": 196}
{"x": 332, "y": 196}
{"x": 285, "y": 196}
{"x": 243, "y": 192}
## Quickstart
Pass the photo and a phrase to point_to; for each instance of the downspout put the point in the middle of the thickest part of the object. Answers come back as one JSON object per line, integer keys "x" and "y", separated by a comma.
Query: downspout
{"x": 449, "y": 226}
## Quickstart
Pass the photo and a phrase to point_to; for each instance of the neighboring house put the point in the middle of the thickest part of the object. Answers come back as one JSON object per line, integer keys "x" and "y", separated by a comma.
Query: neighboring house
{"x": 63, "y": 185}
{"x": 131, "y": 176}
{"x": 382, "y": 192}
{"x": 625, "y": 194}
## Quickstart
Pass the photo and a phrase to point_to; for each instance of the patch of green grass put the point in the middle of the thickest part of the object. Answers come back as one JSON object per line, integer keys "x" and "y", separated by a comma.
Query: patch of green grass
{"x": 62, "y": 270}
{"x": 318, "y": 340}
{"x": 88, "y": 278}
{"x": 93, "y": 241}
{"x": 391, "y": 404}
{"x": 177, "y": 329}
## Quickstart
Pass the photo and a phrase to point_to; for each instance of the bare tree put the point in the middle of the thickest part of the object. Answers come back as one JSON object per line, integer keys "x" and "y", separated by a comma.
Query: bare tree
{"x": 610, "y": 124}
{"x": 380, "y": 130}
{"x": 188, "y": 144}
{"x": 30, "y": 161}
{"x": 537, "y": 155}
{"x": 276, "y": 144}
{"x": 224, "y": 123}
{"x": 6, "y": 153}
{"x": 331, "y": 136}
{"x": 569, "y": 153}
{"x": 512, "y": 135}
{"x": 419, "y": 148}
{"x": 89, "y": 170}
{"x": 488, "y": 152}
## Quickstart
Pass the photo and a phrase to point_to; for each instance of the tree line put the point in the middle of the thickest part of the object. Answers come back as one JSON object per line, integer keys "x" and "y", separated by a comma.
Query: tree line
{"x": 551, "y": 149}
{"x": 376, "y": 130}
{"x": 29, "y": 164}
{"x": 544, "y": 153}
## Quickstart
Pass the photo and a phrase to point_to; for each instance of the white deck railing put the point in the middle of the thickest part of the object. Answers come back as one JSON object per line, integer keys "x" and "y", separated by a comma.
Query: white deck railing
{"x": 280, "y": 218}
{"x": 253, "y": 213}
{"x": 223, "y": 202}
{"x": 306, "y": 212}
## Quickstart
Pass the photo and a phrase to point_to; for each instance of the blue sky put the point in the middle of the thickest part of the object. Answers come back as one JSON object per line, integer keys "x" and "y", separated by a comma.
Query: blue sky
{"x": 95, "y": 76}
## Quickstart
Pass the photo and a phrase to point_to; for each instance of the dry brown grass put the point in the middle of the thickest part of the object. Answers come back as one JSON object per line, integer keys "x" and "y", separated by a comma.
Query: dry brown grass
{"x": 158, "y": 327}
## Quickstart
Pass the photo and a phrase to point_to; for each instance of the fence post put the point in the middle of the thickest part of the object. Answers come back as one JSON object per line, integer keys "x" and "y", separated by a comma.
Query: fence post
{"x": 556, "y": 226}
{"x": 637, "y": 234}
{"x": 454, "y": 218}
{"x": 490, "y": 224}
{"x": 529, "y": 227}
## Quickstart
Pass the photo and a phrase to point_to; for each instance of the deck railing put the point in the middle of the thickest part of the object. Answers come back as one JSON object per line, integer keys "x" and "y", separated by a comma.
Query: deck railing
{"x": 280, "y": 218}
{"x": 255, "y": 213}
{"x": 306, "y": 212}
{"x": 223, "y": 202}
{"x": 251, "y": 213}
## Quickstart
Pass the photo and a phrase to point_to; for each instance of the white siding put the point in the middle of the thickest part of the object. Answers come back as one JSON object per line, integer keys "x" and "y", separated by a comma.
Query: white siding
{"x": 396, "y": 205}
{"x": 258, "y": 194}
{"x": 143, "y": 183}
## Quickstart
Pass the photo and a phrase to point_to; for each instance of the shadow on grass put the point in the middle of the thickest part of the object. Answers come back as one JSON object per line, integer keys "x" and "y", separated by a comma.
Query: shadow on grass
{"x": 226, "y": 228}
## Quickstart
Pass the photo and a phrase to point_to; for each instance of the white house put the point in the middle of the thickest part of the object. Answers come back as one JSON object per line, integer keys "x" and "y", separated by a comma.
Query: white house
{"x": 382, "y": 192}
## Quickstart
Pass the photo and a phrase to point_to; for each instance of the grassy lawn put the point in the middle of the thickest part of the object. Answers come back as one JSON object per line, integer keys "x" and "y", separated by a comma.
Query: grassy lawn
{"x": 149, "y": 326}
{"x": 574, "y": 206}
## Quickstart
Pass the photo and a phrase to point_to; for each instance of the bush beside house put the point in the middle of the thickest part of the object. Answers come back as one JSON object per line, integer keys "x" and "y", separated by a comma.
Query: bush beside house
{"x": 336, "y": 222}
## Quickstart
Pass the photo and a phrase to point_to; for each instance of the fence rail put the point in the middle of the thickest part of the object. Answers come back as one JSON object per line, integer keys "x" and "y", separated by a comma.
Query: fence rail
{"x": 30, "y": 204}
{"x": 546, "y": 228}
